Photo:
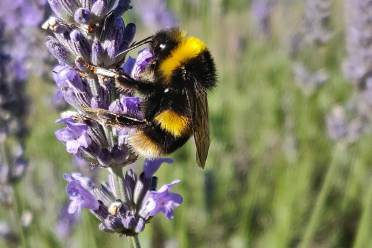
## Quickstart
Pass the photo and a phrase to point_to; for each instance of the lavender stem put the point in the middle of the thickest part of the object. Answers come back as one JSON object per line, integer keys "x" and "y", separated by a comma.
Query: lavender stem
{"x": 338, "y": 157}
{"x": 118, "y": 182}
{"x": 18, "y": 215}
{"x": 134, "y": 241}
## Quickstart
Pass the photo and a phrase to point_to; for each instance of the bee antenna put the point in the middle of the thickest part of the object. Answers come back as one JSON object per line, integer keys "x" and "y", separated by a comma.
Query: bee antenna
{"x": 136, "y": 45}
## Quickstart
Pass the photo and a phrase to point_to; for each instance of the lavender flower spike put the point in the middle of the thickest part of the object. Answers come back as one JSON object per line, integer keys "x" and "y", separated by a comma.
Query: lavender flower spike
{"x": 98, "y": 37}
{"x": 19, "y": 21}
{"x": 349, "y": 122}
{"x": 92, "y": 33}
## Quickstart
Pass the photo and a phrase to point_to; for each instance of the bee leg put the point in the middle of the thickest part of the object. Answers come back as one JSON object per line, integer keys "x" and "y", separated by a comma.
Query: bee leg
{"x": 123, "y": 120}
{"x": 104, "y": 72}
{"x": 126, "y": 81}
{"x": 123, "y": 80}
{"x": 113, "y": 119}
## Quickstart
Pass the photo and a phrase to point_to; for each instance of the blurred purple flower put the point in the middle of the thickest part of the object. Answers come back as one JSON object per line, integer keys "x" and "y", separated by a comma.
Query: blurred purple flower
{"x": 261, "y": 11}
{"x": 13, "y": 114}
{"x": 22, "y": 19}
{"x": 308, "y": 80}
{"x": 354, "y": 118}
{"x": 58, "y": 100}
{"x": 155, "y": 14}
{"x": 337, "y": 123}
{"x": 358, "y": 64}
{"x": 9, "y": 235}
{"x": 315, "y": 29}
{"x": 66, "y": 223}
{"x": 317, "y": 21}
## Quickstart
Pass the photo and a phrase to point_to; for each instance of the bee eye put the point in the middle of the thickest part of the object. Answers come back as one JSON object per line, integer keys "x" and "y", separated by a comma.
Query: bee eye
{"x": 162, "y": 46}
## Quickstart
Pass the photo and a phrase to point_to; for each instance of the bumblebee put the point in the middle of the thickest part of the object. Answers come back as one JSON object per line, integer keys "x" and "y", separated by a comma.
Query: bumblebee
{"x": 175, "y": 102}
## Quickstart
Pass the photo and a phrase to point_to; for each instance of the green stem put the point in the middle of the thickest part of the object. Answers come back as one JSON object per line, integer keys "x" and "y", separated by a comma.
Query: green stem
{"x": 315, "y": 218}
{"x": 18, "y": 215}
{"x": 363, "y": 234}
{"x": 16, "y": 211}
{"x": 117, "y": 174}
{"x": 88, "y": 239}
{"x": 134, "y": 241}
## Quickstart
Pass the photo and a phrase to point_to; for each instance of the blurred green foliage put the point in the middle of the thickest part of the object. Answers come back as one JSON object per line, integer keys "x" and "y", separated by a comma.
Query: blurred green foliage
{"x": 273, "y": 177}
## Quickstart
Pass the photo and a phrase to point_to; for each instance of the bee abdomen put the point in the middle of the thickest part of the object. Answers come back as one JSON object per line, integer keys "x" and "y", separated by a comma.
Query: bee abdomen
{"x": 143, "y": 145}
{"x": 155, "y": 142}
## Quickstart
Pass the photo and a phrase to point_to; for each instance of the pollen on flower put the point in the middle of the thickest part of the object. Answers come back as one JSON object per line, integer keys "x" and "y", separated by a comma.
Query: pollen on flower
{"x": 114, "y": 208}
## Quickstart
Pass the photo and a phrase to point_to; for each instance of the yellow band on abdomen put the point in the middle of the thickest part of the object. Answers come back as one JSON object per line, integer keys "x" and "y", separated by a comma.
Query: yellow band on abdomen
{"x": 173, "y": 122}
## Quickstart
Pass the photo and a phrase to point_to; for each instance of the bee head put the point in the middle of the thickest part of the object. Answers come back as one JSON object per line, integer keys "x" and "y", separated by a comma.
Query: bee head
{"x": 165, "y": 41}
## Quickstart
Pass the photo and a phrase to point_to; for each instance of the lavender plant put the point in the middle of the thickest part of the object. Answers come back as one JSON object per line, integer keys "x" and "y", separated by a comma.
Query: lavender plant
{"x": 18, "y": 24}
{"x": 316, "y": 26}
{"x": 87, "y": 33}
{"x": 315, "y": 31}
{"x": 261, "y": 11}
{"x": 356, "y": 118}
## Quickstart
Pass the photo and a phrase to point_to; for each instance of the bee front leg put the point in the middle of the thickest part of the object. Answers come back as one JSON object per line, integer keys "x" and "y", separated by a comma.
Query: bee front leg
{"x": 123, "y": 80}
{"x": 127, "y": 82}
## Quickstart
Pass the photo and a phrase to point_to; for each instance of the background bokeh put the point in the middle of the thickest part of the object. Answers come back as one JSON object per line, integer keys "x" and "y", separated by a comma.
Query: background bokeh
{"x": 274, "y": 176}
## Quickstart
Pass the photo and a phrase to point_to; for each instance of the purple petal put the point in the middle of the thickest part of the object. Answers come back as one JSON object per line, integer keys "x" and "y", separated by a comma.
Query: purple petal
{"x": 129, "y": 65}
{"x": 58, "y": 51}
{"x": 66, "y": 223}
{"x": 164, "y": 201}
{"x": 79, "y": 191}
{"x": 131, "y": 104}
{"x": 97, "y": 53}
{"x": 70, "y": 78}
{"x": 58, "y": 9}
{"x": 151, "y": 166}
{"x": 81, "y": 45}
{"x": 129, "y": 33}
{"x": 100, "y": 8}
{"x": 64, "y": 135}
{"x": 82, "y": 15}
{"x": 143, "y": 60}
{"x": 74, "y": 135}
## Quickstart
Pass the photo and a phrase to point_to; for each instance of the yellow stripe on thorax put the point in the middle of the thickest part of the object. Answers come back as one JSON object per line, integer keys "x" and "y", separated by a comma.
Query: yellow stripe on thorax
{"x": 173, "y": 122}
{"x": 190, "y": 48}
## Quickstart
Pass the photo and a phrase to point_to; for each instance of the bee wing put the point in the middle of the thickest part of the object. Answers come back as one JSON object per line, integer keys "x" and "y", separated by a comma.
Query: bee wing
{"x": 197, "y": 99}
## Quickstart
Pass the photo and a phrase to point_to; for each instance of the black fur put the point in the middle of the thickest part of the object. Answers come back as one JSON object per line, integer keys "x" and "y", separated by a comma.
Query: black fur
{"x": 169, "y": 38}
{"x": 201, "y": 69}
